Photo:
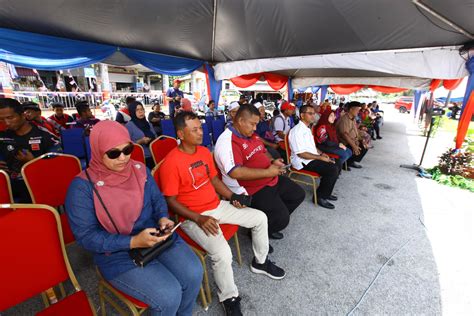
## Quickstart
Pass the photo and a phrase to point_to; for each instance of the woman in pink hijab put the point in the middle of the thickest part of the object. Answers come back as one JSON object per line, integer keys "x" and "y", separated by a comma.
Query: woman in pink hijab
{"x": 170, "y": 283}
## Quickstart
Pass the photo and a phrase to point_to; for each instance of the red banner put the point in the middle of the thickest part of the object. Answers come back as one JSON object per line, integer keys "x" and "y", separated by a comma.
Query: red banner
{"x": 276, "y": 82}
{"x": 452, "y": 83}
{"x": 246, "y": 81}
{"x": 345, "y": 88}
{"x": 464, "y": 121}
{"x": 384, "y": 89}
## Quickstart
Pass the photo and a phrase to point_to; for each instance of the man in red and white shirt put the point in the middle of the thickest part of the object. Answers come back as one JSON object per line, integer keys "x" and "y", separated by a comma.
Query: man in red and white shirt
{"x": 247, "y": 168}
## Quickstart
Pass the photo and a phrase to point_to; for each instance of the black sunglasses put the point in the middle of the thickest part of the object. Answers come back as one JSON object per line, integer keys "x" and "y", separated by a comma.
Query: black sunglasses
{"x": 115, "y": 153}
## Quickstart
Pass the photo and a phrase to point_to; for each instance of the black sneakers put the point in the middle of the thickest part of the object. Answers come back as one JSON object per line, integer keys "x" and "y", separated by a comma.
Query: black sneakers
{"x": 232, "y": 306}
{"x": 267, "y": 268}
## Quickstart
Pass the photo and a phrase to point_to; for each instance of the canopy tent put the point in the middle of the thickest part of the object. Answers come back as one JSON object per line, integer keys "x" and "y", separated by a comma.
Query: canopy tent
{"x": 394, "y": 41}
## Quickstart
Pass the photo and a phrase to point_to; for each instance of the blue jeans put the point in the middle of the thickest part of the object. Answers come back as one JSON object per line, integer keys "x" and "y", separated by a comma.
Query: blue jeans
{"x": 169, "y": 284}
{"x": 343, "y": 154}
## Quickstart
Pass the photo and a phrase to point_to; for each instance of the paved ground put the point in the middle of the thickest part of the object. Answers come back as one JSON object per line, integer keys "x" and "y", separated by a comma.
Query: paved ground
{"x": 331, "y": 256}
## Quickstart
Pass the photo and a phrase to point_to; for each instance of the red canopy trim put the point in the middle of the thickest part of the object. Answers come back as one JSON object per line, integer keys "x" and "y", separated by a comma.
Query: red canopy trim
{"x": 346, "y": 88}
{"x": 385, "y": 89}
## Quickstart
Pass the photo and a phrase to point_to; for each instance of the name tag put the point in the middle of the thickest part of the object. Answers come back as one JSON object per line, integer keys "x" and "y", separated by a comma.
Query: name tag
{"x": 34, "y": 141}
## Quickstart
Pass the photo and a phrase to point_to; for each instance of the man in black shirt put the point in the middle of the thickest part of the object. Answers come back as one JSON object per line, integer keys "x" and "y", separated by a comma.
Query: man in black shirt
{"x": 20, "y": 143}
{"x": 155, "y": 117}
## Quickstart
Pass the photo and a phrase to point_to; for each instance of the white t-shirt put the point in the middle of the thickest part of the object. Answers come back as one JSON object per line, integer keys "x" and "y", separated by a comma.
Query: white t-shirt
{"x": 281, "y": 124}
{"x": 301, "y": 140}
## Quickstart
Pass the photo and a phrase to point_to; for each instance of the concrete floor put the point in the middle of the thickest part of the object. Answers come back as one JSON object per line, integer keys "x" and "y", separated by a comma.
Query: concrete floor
{"x": 331, "y": 256}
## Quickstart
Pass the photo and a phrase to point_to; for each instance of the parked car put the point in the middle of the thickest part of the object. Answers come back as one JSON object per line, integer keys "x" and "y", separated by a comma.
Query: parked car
{"x": 404, "y": 104}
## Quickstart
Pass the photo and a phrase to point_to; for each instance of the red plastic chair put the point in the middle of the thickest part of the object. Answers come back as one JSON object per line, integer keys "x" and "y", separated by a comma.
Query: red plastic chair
{"x": 161, "y": 146}
{"x": 47, "y": 179}
{"x": 228, "y": 230}
{"x": 33, "y": 260}
{"x": 138, "y": 153}
{"x": 6, "y": 195}
{"x": 314, "y": 176}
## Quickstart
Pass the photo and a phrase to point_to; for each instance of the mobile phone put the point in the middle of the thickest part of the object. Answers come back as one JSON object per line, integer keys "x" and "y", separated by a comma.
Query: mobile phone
{"x": 160, "y": 232}
{"x": 287, "y": 166}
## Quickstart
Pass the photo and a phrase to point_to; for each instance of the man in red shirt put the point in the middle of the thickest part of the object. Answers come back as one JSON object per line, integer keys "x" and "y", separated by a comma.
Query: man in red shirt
{"x": 33, "y": 115}
{"x": 60, "y": 120}
{"x": 247, "y": 168}
{"x": 190, "y": 184}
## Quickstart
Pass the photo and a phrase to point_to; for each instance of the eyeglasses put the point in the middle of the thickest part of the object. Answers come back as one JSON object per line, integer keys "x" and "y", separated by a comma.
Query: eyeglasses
{"x": 115, "y": 153}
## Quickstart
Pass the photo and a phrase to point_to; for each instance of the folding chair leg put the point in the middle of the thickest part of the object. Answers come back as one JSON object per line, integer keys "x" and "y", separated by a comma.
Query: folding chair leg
{"x": 315, "y": 191}
{"x": 101, "y": 300}
{"x": 202, "y": 294}
{"x": 207, "y": 288}
{"x": 45, "y": 299}
{"x": 237, "y": 248}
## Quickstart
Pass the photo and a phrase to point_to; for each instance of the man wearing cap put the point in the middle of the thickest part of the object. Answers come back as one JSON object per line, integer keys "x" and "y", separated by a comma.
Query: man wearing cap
{"x": 348, "y": 133}
{"x": 20, "y": 143}
{"x": 282, "y": 124}
{"x": 233, "y": 108}
{"x": 174, "y": 96}
{"x": 33, "y": 115}
{"x": 60, "y": 120}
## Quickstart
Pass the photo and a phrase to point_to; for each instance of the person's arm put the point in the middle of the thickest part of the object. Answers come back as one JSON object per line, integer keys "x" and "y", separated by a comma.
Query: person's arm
{"x": 245, "y": 173}
{"x": 269, "y": 144}
{"x": 279, "y": 125}
{"x": 84, "y": 224}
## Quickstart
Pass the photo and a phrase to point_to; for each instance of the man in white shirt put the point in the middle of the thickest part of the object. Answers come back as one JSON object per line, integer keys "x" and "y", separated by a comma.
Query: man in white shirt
{"x": 305, "y": 155}
{"x": 282, "y": 123}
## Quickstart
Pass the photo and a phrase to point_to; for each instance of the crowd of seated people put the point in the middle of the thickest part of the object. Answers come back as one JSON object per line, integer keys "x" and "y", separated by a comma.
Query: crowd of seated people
{"x": 242, "y": 183}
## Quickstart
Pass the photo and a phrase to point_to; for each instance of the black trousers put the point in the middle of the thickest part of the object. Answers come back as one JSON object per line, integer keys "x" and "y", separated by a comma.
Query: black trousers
{"x": 328, "y": 172}
{"x": 358, "y": 158}
{"x": 278, "y": 202}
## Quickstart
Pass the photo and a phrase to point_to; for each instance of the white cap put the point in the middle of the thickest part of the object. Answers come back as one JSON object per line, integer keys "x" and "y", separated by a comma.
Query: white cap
{"x": 234, "y": 105}
{"x": 258, "y": 105}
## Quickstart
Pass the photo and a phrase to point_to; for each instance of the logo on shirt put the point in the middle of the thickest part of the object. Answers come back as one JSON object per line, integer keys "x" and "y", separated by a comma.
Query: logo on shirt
{"x": 199, "y": 172}
{"x": 10, "y": 148}
{"x": 245, "y": 146}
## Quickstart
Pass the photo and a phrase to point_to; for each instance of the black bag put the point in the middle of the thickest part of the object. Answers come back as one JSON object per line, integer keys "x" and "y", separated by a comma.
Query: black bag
{"x": 140, "y": 256}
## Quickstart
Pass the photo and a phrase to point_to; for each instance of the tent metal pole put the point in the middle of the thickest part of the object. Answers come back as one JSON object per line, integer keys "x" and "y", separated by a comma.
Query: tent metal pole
{"x": 214, "y": 30}
{"x": 442, "y": 18}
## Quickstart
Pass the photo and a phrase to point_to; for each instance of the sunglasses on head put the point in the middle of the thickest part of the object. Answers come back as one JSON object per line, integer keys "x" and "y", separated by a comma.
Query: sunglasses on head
{"x": 114, "y": 153}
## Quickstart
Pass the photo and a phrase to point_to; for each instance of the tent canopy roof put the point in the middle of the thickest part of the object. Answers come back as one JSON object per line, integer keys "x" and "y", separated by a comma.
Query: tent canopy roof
{"x": 220, "y": 31}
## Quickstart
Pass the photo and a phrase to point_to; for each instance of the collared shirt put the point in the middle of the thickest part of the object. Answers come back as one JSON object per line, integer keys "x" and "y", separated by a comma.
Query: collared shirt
{"x": 172, "y": 93}
{"x": 301, "y": 141}
{"x": 346, "y": 124}
{"x": 234, "y": 150}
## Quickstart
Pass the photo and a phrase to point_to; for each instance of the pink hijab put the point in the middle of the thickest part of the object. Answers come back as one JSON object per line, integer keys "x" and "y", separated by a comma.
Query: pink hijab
{"x": 122, "y": 192}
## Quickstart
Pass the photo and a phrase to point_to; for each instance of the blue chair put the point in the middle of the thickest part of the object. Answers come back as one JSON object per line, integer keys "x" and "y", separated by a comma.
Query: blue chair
{"x": 168, "y": 128}
{"x": 218, "y": 127}
{"x": 221, "y": 117}
{"x": 73, "y": 141}
{"x": 209, "y": 119}
{"x": 206, "y": 138}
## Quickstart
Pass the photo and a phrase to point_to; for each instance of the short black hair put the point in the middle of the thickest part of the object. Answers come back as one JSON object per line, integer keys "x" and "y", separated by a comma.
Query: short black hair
{"x": 353, "y": 104}
{"x": 82, "y": 107}
{"x": 305, "y": 108}
{"x": 247, "y": 109}
{"x": 82, "y": 103}
{"x": 130, "y": 99}
{"x": 212, "y": 101}
{"x": 57, "y": 105}
{"x": 12, "y": 104}
{"x": 30, "y": 105}
{"x": 180, "y": 119}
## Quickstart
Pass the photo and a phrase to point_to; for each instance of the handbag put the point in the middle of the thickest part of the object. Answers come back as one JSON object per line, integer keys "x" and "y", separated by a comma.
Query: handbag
{"x": 140, "y": 256}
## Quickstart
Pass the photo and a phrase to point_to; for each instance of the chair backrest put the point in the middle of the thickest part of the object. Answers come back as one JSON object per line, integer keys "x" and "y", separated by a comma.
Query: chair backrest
{"x": 218, "y": 127}
{"x": 156, "y": 174}
{"x": 6, "y": 195}
{"x": 206, "y": 137}
{"x": 72, "y": 140}
{"x": 209, "y": 119}
{"x": 161, "y": 146}
{"x": 138, "y": 153}
{"x": 167, "y": 128}
{"x": 33, "y": 257}
{"x": 48, "y": 177}
{"x": 287, "y": 148}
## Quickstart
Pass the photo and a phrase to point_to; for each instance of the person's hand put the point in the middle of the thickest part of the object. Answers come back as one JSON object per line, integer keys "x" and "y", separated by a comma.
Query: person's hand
{"x": 342, "y": 146}
{"x": 326, "y": 158}
{"x": 155, "y": 119}
{"x": 356, "y": 150}
{"x": 325, "y": 155}
{"x": 24, "y": 156}
{"x": 237, "y": 204}
{"x": 278, "y": 162}
{"x": 275, "y": 170}
{"x": 145, "y": 239}
{"x": 208, "y": 224}
{"x": 166, "y": 225}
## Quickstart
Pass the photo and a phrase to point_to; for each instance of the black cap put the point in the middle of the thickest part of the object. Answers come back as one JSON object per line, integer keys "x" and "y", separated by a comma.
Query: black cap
{"x": 29, "y": 105}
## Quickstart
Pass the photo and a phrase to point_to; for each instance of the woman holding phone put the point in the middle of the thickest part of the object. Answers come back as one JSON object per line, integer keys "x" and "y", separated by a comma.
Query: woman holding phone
{"x": 135, "y": 212}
